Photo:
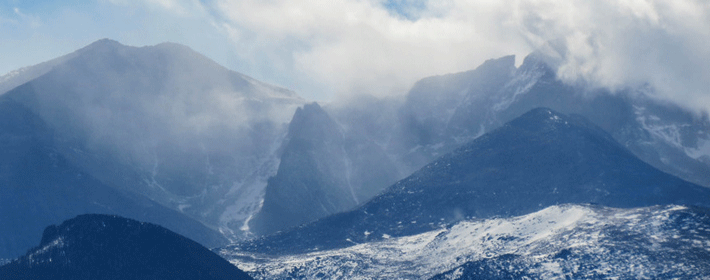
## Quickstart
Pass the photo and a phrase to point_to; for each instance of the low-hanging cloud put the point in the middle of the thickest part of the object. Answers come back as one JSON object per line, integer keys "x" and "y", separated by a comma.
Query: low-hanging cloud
{"x": 349, "y": 46}
{"x": 327, "y": 48}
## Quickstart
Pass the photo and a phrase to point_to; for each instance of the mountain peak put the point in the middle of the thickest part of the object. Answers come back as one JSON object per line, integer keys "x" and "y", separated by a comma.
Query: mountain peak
{"x": 545, "y": 120}
{"x": 506, "y": 62}
{"x": 308, "y": 184}
{"x": 309, "y": 109}
{"x": 106, "y": 42}
{"x": 312, "y": 122}
{"x": 539, "y": 61}
{"x": 102, "y": 44}
{"x": 540, "y": 116}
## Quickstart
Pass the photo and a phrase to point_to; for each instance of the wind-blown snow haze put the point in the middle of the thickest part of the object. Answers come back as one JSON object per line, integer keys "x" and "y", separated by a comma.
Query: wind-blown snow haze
{"x": 325, "y": 49}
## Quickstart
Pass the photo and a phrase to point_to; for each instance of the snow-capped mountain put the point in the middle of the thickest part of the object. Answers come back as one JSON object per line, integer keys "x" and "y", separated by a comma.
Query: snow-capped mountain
{"x": 165, "y": 122}
{"x": 558, "y": 242}
{"x": 39, "y": 187}
{"x": 112, "y": 247}
{"x": 540, "y": 159}
{"x": 324, "y": 169}
{"x": 440, "y": 113}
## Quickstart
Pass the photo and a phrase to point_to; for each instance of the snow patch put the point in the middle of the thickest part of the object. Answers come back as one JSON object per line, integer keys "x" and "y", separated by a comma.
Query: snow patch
{"x": 702, "y": 150}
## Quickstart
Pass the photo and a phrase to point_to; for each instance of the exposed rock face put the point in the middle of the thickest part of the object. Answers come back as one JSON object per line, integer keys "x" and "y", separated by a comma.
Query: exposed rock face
{"x": 323, "y": 170}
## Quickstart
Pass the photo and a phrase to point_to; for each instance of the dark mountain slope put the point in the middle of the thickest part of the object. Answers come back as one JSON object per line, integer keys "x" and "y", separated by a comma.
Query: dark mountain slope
{"x": 38, "y": 186}
{"x": 111, "y": 247}
{"x": 323, "y": 171}
{"x": 309, "y": 184}
{"x": 540, "y": 159}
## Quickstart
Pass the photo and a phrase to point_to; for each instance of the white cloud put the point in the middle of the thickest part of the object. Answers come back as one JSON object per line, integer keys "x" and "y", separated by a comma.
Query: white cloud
{"x": 353, "y": 46}
{"x": 25, "y": 19}
{"x": 358, "y": 46}
{"x": 324, "y": 49}
{"x": 188, "y": 8}
{"x": 627, "y": 43}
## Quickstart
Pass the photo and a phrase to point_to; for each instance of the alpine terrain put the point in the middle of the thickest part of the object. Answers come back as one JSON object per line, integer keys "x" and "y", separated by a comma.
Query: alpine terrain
{"x": 501, "y": 172}
{"x": 558, "y": 242}
{"x": 441, "y": 113}
{"x": 530, "y": 166}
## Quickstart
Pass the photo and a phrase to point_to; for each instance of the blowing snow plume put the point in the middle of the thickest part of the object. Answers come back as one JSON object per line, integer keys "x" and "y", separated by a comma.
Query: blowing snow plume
{"x": 164, "y": 121}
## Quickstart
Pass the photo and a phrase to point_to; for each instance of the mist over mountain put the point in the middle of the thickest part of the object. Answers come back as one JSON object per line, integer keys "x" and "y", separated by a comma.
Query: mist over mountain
{"x": 171, "y": 124}
{"x": 540, "y": 159}
{"x": 324, "y": 169}
{"x": 25, "y": 74}
{"x": 441, "y": 113}
{"x": 112, "y": 247}
{"x": 165, "y": 122}
{"x": 39, "y": 187}
{"x": 166, "y": 135}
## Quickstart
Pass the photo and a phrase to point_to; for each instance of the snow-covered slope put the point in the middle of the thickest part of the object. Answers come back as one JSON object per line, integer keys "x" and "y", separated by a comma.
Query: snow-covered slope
{"x": 578, "y": 241}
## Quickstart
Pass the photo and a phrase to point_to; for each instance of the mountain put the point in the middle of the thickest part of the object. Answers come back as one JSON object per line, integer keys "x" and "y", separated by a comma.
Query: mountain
{"x": 540, "y": 159}
{"x": 558, "y": 242}
{"x": 39, "y": 186}
{"x": 111, "y": 247}
{"x": 431, "y": 116}
{"x": 309, "y": 184}
{"x": 23, "y": 75}
{"x": 165, "y": 122}
{"x": 323, "y": 170}
{"x": 441, "y": 113}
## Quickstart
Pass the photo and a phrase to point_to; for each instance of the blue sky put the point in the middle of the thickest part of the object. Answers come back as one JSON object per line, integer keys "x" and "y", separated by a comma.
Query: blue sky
{"x": 327, "y": 49}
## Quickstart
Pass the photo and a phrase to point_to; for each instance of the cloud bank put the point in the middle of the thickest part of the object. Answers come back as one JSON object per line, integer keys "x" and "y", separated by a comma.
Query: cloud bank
{"x": 326, "y": 49}
{"x": 346, "y": 46}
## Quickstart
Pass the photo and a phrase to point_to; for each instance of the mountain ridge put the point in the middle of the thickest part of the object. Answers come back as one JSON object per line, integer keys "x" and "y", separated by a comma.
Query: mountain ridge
{"x": 540, "y": 159}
